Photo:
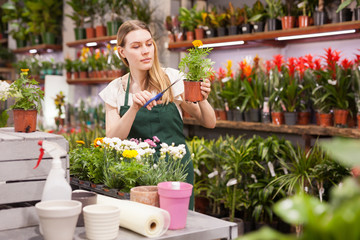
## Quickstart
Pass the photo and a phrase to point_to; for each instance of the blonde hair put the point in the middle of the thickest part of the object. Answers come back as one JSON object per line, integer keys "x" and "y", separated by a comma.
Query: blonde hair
{"x": 157, "y": 79}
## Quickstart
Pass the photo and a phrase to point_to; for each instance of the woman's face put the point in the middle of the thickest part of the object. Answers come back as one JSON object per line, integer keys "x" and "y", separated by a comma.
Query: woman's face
{"x": 138, "y": 49}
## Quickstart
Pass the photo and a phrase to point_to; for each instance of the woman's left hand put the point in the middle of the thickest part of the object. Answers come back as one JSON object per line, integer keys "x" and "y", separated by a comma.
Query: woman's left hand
{"x": 205, "y": 88}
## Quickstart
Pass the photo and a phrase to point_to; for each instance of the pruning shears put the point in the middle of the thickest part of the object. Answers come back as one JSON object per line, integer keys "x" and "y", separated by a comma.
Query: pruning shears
{"x": 159, "y": 95}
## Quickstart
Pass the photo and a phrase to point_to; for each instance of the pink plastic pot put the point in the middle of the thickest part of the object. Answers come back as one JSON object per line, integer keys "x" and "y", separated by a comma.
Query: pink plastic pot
{"x": 175, "y": 201}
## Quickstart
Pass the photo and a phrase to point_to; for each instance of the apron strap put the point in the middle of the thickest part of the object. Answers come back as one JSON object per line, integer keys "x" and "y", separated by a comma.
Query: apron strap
{"x": 127, "y": 92}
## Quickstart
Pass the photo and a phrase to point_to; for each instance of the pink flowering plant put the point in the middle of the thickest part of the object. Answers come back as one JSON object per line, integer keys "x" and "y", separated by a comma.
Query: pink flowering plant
{"x": 123, "y": 164}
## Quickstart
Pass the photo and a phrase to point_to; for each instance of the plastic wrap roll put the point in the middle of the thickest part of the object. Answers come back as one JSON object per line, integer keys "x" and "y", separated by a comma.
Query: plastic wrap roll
{"x": 143, "y": 219}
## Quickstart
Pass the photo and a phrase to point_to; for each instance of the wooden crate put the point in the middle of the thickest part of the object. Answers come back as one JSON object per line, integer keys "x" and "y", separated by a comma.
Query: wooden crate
{"x": 19, "y": 182}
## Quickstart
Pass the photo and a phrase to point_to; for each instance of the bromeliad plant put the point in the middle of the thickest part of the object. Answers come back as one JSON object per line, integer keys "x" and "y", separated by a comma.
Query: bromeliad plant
{"x": 195, "y": 65}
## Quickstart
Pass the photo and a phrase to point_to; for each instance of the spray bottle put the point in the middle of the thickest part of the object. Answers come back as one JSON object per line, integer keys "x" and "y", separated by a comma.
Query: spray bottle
{"x": 56, "y": 186}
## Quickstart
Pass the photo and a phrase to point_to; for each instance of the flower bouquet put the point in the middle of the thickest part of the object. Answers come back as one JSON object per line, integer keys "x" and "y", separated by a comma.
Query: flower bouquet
{"x": 196, "y": 68}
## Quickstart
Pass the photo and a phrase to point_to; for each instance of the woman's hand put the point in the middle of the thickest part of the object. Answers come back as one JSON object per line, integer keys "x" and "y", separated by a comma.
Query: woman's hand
{"x": 205, "y": 88}
{"x": 140, "y": 98}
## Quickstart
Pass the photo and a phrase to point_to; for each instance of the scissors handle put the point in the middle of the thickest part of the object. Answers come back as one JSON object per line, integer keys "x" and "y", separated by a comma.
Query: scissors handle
{"x": 157, "y": 97}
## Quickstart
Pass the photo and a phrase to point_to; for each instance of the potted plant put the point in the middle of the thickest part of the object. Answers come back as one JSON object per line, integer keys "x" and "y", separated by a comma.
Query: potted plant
{"x": 91, "y": 11}
{"x": 344, "y": 13}
{"x": 258, "y": 16}
{"x": 289, "y": 15}
{"x": 68, "y": 67}
{"x": 28, "y": 98}
{"x": 356, "y": 87}
{"x": 60, "y": 106}
{"x": 33, "y": 12}
{"x": 245, "y": 14}
{"x": 304, "y": 18}
{"x": 276, "y": 85}
{"x": 320, "y": 16}
{"x": 6, "y": 57}
{"x": 219, "y": 21}
{"x": 14, "y": 13}
{"x": 196, "y": 67}
{"x": 101, "y": 11}
{"x": 234, "y": 19}
{"x": 51, "y": 14}
{"x": 116, "y": 7}
{"x": 188, "y": 22}
{"x": 78, "y": 16}
{"x": 273, "y": 10}
{"x": 201, "y": 20}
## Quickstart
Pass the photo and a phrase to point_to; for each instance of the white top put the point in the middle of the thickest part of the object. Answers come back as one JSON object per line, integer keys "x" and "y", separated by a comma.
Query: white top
{"x": 114, "y": 93}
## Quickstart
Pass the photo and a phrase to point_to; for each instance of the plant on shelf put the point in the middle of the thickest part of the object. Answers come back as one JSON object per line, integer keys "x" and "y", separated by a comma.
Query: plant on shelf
{"x": 356, "y": 81}
{"x": 273, "y": 8}
{"x": 28, "y": 98}
{"x": 196, "y": 67}
{"x": 188, "y": 21}
{"x": 7, "y": 57}
{"x": 78, "y": 16}
{"x": 14, "y": 13}
{"x": 91, "y": 9}
{"x": 100, "y": 13}
{"x": 60, "y": 106}
{"x": 346, "y": 3}
{"x": 258, "y": 17}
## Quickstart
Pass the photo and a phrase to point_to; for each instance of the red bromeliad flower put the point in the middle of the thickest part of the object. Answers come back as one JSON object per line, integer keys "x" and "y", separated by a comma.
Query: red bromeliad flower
{"x": 221, "y": 73}
{"x": 317, "y": 63}
{"x": 291, "y": 66}
{"x": 269, "y": 66}
{"x": 357, "y": 59}
{"x": 346, "y": 64}
{"x": 247, "y": 72}
{"x": 332, "y": 57}
{"x": 278, "y": 61}
{"x": 301, "y": 67}
{"x": 309, "y": 61}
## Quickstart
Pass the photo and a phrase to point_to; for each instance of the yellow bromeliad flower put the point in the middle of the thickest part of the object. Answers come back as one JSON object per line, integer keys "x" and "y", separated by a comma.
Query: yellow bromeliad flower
{"x": 228, "y": 67}
{"x": 130, "y": 153}
{"x": 197, "y": 43}
{"x": 115, "y": 48}
{"x": 98, "y": 140}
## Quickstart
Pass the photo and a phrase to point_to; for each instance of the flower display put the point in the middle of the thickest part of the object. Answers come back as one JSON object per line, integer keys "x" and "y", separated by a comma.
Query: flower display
{"x": 124, "y": 164}
{"x": 4, "y": 90}
{"x": 195, "y": 65}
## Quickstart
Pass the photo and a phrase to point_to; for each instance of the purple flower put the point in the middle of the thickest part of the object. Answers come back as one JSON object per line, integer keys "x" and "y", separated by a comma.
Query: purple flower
{"x": 156, "y": 139}
{"x": 150, "y": 142}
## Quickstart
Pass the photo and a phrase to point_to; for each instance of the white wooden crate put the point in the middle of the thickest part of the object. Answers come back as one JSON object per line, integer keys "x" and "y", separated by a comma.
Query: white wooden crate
{"x": 19, "y": 182}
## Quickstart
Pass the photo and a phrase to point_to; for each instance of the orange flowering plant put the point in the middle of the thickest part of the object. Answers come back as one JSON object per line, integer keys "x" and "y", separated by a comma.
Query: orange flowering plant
{"x": 195, "y": 65}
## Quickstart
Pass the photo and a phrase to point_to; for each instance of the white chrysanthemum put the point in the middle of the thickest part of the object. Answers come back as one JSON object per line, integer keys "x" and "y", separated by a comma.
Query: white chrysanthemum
{"x": 4, "y": 90}
{"x": 143, "y": 145}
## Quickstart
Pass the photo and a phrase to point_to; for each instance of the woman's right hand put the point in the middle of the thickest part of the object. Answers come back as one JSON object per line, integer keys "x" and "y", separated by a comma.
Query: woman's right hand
{"x": 140, "y": 98}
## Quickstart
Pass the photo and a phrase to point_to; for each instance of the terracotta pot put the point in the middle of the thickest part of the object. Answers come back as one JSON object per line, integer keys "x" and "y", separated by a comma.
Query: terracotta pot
{"x": 83, "y": 74}
{"x": 326, "y": 119}
{"x": 59, "y": 121}
{"x": 351, "y": 121}
{"x": 179, "y": 37}
{"x": 145, "y": 194}
{"x": 90, "y": 32}
{"x": 303, "y": 21}
{"x": 220, "y": 114}
{"x": 340, "y": 117}
{"x": 76, "y": 75}
{"x": 193, "y": 91}
{"x": 190, "y": 36}
{"x": 288, "y": 22}
{"x": 303, "y": 118}
{"x": 68, "y": 75}
{"x": 199, "y": 33}
{"x": 25, "y": 120}
{"x": 171, "y": 38}
{"x": 100, "y": 31}
{"x": 277, "y": 118}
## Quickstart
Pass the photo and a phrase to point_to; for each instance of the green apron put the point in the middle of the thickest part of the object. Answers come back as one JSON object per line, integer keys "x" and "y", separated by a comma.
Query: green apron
{"x": 163, "y": 121}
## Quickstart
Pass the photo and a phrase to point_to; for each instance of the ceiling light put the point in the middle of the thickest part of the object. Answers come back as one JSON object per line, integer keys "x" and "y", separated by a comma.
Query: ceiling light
{"x": 91, "y": 44}
{"x": 114, "y": 41}
{"x": 222, "y": 44}
{"x": 32, "y": 51}
{"x": 315, "y": 35}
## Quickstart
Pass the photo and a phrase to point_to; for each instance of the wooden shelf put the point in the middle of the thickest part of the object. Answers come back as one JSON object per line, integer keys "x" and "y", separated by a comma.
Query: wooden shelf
{"x": 9, "y": 71}
{"x": 268, "y": 38}
{"x": 89, "y": 80}
{"x": 42, "y": 48}
{"x": 295, "y": 129}
{"x": 99, "y": 41}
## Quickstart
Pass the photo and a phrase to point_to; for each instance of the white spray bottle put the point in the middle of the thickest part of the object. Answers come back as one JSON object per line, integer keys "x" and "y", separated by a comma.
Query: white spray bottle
{"x": 56, "y": 187}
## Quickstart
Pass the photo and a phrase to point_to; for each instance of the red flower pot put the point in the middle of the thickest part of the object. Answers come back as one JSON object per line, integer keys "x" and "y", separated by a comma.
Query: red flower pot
{"x": 326, "y": 119}
{"x": 199, "y": 33}
{"x": 303, "y": 118}
{"x": 90, "y": 32}
{"x": 190, "y": 36}
{"x": 303, "y": 21}
{"x": 340, "y": 117}
{"x": 278, "y": 118}
{"x": 100, "y": 31}
{"x": 193, "y": 91}
{"x": 288, "y": 22}
{"x": 25, "y": 120}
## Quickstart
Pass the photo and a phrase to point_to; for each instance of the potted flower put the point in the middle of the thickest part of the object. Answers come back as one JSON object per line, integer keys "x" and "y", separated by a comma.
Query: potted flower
{"x": 60, "y": 106}
{"x": 356, "y": 82}
{"x": 274, "y": 69}
{"x": 196, "y": 67}
{"x": 28, "y": 98}
{"x": 274, "y": 11}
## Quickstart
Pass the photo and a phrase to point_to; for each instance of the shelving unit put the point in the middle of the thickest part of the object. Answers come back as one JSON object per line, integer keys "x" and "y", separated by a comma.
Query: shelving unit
{"x": 268, "y": 38}
{"x": 89, "y": 80}
{"x": 41, "y": 48}
{"x": 100, "y": 41}
{"x": 10, "y": 72}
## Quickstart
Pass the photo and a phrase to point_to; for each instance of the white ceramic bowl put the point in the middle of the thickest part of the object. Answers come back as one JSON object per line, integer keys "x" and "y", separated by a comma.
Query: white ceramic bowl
{"x": 101, "y": 221}
{"x": 58, "y": 218}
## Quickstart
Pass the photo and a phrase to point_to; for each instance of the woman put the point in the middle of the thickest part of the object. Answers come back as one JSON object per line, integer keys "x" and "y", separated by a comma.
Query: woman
{"x": 125, "y": 96}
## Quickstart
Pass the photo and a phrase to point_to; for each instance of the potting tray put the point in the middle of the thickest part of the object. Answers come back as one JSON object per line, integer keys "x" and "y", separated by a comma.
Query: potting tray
{"x": 198, "y": 226}
{"x": 19, "y": 182}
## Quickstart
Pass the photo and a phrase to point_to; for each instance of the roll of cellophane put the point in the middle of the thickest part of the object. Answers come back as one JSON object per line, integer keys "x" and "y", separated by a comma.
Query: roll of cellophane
{"x": 144, "y": 219}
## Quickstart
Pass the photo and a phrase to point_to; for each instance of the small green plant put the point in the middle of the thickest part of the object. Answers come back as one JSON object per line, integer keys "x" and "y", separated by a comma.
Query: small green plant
{"x": 195, "y": 65}
{"x": 26, "y": 92}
